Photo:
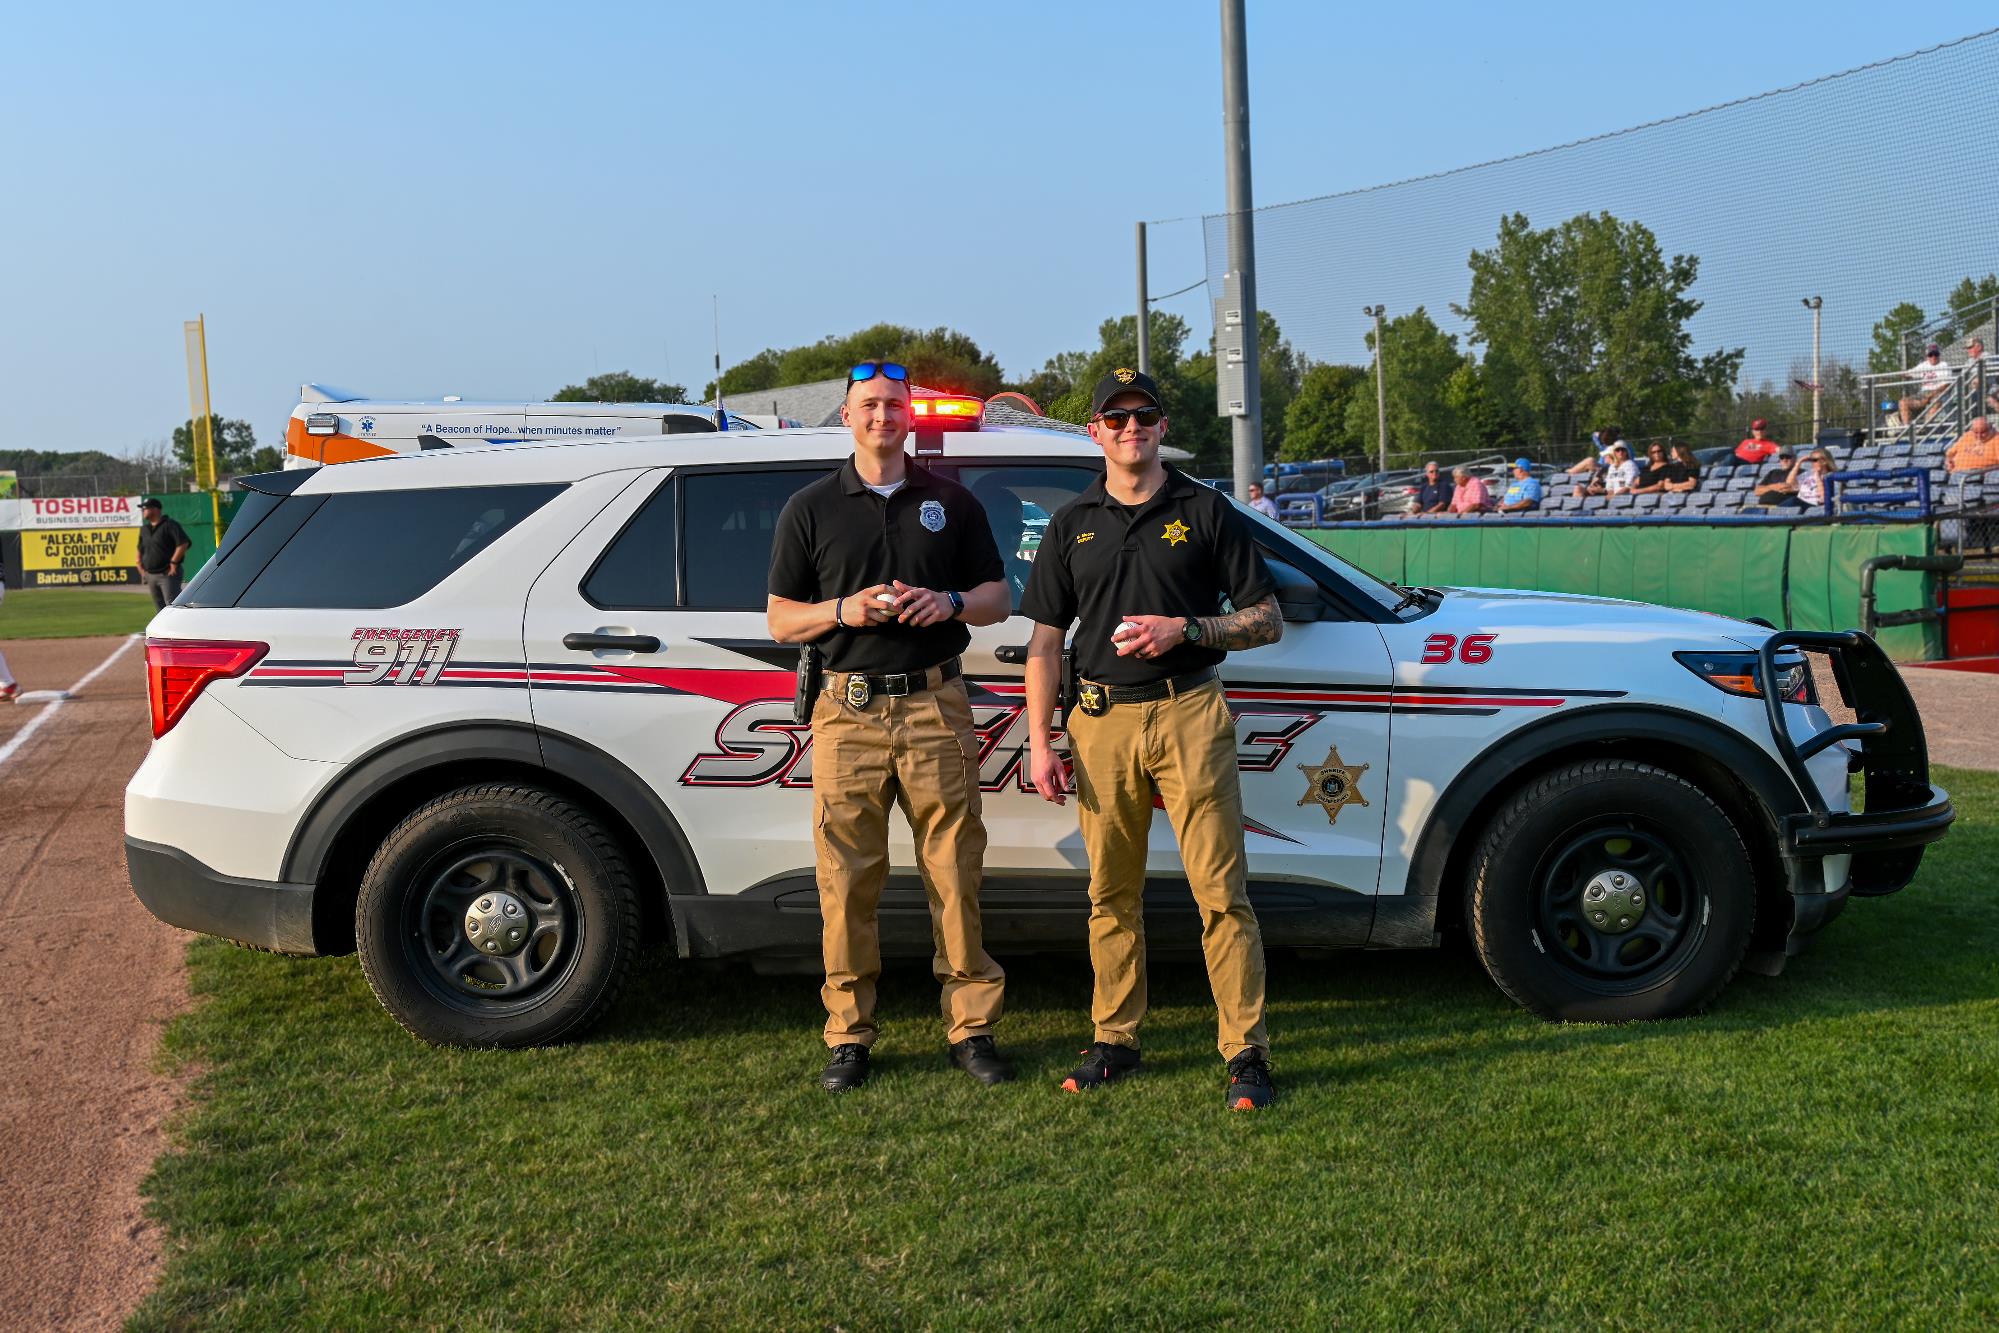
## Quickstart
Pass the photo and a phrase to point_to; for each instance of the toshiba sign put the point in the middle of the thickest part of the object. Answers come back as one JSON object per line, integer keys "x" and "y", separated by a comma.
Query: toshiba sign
{"x": 72, "y": 511}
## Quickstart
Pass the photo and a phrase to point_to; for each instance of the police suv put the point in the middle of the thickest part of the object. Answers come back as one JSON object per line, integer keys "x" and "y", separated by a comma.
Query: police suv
{"x": 493, "y": 718}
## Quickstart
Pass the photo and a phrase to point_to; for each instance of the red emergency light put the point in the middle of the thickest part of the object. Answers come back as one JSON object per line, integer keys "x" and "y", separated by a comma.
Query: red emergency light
{"x": 946, "y": 411}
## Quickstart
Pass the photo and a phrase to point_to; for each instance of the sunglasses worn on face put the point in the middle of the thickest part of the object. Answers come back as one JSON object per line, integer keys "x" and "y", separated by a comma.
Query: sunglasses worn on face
{"x": 1148, "y": 417}
{"x": 867, "y": 370}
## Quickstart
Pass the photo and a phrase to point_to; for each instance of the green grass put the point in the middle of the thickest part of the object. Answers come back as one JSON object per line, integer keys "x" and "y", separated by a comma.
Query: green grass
{"x": 68, "y": 613}
{"x": 1818, "y": 1150}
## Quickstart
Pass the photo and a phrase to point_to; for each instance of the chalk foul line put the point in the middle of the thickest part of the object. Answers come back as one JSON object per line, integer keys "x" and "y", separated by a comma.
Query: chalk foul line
{"x": 22, "y": 736}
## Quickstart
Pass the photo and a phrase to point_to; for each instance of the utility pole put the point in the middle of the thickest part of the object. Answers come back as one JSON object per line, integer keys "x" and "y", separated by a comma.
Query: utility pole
{"x": 1144, "y": 310}
{"x": 721, "y": 412}
{"x": 1813, "y": 304}
{"x": 1246, "y": 426}
{"x": 1374, "y": 312}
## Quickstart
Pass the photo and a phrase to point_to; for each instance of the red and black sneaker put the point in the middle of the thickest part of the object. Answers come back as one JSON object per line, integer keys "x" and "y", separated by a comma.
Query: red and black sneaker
{"x": 1249, "y": 1081}
{"x": 1104, "y": 1062}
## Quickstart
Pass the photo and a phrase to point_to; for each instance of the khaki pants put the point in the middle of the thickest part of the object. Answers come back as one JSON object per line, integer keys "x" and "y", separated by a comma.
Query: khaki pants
{"x": 918, "y": 752}
{"x": 1182, "y": 749}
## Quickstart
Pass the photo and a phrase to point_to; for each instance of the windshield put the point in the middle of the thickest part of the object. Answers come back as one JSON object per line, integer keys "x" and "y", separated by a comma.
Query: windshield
{"x": 1387, "y": 594}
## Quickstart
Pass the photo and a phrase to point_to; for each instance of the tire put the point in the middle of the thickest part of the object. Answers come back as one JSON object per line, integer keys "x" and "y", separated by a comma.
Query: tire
{"x": 1550, "y": 895}
{"x": 541, "y": 973}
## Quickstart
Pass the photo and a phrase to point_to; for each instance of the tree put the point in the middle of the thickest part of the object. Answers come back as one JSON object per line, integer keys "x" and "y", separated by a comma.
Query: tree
{"x": 235, "y": 445}
{"x": 1974, "y": 299}
{"x": 1315, "y": 423}
{"x": 1421, "y": 361}
{"x": 1586, "y": 322}
{"x": 937, "y": 358}
{"x": 1890, "y": 351}
{"x": 621, "y": 386}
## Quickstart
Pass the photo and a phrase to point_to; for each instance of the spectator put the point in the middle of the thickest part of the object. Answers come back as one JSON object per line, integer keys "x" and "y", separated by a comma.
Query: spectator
{"x": 1471, "y": 496}
{"x": 1811, "y": 484}
{"x": 1681, "y": 472}
{"x": 1932, "y": 377}
{"x": 1523, "y": 493}
{"x": 1621, "y": 477}
{"x": 1759, "y": 447}
{"x": 1651, "y": 477}
{"x": 1260, "y": 502}
{"x": 1434, "y": 496}
{"x": 1779, "y": 487}
{"x": 1976, "y": 450}
{"x": 1601, "y": 443}
{"x": 1974, "y": 353}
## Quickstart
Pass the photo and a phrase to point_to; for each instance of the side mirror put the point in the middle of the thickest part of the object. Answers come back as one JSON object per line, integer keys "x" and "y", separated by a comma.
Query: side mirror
{"x": 1299, "y": 599}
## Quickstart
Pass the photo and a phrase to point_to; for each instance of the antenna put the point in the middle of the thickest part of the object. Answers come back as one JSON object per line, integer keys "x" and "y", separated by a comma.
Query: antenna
{"x": 721, "y": 411}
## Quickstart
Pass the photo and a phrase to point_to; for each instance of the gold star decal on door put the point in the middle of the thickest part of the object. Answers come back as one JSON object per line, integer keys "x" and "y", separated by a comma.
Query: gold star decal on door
{"x": 1333, "y": 785}
{"x": 1176, "y": 532}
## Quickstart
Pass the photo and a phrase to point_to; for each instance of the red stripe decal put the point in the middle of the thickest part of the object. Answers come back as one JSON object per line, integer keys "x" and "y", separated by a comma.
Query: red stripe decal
{"x": 733, "y": 687}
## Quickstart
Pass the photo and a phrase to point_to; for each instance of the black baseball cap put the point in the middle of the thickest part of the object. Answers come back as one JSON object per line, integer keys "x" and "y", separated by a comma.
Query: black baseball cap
{"x": 150, "y": 503}
{"x": 1123, "y": 380}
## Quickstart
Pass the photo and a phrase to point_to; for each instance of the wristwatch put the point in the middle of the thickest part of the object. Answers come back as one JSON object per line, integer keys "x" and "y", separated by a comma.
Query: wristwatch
{"x": 957, "y": 603}
{"x": 1191, "y": 631}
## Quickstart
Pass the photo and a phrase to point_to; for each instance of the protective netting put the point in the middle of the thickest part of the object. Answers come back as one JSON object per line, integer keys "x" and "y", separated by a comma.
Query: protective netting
{"x": 1873, "y": 187}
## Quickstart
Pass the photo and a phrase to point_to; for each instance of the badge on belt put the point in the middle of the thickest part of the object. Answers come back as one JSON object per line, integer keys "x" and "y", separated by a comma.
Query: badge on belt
{"x": 858, "y": 690}
{"x": 1092, "y": 700}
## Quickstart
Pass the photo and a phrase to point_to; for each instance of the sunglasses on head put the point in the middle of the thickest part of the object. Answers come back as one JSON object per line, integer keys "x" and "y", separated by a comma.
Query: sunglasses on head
{"x": 867, "y": 370}
{"x": 1148, "y": 417}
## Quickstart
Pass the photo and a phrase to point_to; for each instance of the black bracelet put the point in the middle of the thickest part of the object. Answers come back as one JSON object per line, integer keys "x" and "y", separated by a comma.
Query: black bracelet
{"x": 838, "y": 619}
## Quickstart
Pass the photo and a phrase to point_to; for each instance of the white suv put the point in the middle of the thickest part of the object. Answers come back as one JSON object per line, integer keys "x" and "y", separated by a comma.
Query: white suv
{"x": 493, "y": 717}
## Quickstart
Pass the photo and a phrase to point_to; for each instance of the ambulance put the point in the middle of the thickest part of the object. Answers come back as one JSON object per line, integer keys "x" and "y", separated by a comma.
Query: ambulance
{"x": 332, "y": 425}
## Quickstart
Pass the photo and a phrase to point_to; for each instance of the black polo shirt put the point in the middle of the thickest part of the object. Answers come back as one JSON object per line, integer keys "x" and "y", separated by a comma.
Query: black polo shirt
{"x": 837, "y": 537}
{"x": 157, "y": 544}
{"x": 1178, "y": 554}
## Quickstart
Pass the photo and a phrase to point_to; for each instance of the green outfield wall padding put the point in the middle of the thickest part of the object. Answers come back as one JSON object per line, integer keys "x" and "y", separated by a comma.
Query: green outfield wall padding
{"x": 1796, "y": 577}
{"x": 197, "y": 515}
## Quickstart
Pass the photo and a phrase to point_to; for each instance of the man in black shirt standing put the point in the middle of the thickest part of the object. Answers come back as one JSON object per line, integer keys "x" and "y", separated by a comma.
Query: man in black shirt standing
{"x": 883, "y": 565}
{"x": 1143, "y": 560}
{"x": 163, "y": 545}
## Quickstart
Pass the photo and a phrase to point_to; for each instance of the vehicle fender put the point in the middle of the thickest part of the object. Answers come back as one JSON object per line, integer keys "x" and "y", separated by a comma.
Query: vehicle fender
{"x": 1450, "y": 818}
{"x": 578, "y": 762}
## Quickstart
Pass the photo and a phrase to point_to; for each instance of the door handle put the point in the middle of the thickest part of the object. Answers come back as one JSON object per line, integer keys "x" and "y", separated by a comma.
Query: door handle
{"x": 1013, "y": 654}
{"x": 637, "y": 643}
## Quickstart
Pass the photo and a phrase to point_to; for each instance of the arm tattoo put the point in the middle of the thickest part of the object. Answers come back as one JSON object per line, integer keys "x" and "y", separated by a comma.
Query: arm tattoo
{"x": 1251, "y": 627}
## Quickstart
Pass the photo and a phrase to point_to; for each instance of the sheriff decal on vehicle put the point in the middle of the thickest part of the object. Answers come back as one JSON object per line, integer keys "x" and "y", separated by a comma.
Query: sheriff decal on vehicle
{"x": 1332, "y": 785}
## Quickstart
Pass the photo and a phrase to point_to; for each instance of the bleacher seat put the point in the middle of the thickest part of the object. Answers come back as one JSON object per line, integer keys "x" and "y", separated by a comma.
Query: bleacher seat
{"x": 1622, "y": 501}
{"x": 1650, "y": 500}
{"x": 1595, "y": 504}
{"x": 1699, "y": 500}
{"x": 1742, "y": 481}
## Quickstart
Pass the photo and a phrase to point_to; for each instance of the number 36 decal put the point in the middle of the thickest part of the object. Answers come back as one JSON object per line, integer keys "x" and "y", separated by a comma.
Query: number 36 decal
{"x": 1475, "y": 650}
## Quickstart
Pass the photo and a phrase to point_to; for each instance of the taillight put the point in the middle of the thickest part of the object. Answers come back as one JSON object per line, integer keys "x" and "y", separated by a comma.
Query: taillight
{"x": 1735, "y": 673}
{"x": 179, "y": 669}
{"x": 947, "y": 413}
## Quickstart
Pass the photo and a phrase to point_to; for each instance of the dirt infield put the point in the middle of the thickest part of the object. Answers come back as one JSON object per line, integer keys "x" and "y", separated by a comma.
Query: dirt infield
{"x": 91, "y": 976}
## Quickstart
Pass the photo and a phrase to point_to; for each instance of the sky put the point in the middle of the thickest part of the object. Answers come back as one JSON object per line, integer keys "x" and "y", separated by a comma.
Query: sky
{"x": 495, "y": 201}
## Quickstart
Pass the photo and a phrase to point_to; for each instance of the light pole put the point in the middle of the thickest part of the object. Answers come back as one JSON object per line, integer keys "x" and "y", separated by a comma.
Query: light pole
{"x": 1813, "y": 303}
{"x": 1246, "y": 430}
{"x": 1144, "y": 311}
{"x": 1380, "y": 384}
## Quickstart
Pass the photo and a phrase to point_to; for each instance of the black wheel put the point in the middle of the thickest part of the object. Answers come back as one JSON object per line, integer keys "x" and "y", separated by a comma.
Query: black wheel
{"x": 496, "y": 916}
{"x": 1609, "y": 891}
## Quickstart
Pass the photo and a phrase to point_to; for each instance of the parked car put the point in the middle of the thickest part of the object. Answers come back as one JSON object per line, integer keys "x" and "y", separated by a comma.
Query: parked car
{"x": 492, "y": 718}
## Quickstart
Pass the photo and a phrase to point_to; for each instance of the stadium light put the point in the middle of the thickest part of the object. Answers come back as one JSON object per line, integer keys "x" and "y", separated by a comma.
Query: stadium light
{"x": 1374, "y": 312}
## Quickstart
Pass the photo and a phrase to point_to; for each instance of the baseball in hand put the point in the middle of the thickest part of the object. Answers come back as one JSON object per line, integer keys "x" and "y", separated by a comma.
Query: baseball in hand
{"x": 1124, "y": 628}
{"x": 885, "y": 598}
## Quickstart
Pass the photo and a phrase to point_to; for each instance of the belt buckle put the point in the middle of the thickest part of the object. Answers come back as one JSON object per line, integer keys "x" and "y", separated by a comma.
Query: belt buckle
{"x": 858, "y": 690}
{"x": 1092, "y": 700}
{"x": 897, "y": 685}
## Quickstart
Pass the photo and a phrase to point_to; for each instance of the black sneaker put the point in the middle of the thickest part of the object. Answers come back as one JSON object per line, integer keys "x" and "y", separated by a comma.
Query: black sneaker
{"x": 847, "y": 1070}
{"x": 980, "y": 1058}
{"x": 1249, "y": 1081}
{"x": 1104, "y": 1062}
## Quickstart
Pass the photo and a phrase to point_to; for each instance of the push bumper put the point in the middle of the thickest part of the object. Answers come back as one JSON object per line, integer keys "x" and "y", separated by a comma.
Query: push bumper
{"x": 181, "y": 891}
{"x": 1902, "y": 812}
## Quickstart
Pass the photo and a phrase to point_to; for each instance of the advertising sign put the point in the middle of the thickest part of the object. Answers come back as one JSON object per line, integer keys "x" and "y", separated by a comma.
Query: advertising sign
{"x": 78, "y": 557}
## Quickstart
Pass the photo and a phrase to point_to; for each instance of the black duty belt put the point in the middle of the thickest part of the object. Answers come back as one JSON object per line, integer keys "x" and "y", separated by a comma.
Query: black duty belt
{"x": 857, "y": 687}
{"x": 1095, "y": 699}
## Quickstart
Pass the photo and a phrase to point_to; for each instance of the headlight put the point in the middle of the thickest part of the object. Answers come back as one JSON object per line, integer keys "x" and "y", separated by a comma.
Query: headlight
{"x": 1735, "y": 673}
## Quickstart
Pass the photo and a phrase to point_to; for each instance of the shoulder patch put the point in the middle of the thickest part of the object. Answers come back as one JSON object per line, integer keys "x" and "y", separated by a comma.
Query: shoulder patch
{"x": 1082, "y": 537}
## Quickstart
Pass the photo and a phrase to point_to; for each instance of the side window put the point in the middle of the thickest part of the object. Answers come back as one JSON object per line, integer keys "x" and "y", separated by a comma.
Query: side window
{"x": 725, "y": 540}
{"x": 635, "y": 573}
{"x": 1019, "y": 499}
{"x": 371, "y": 549}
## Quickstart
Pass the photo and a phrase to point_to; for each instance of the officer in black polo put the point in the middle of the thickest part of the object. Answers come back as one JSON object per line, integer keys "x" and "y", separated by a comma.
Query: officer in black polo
{"x": 883, "y": 565}
{"x": 163, "y": 545}
{"x": 1142, "y": 563}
